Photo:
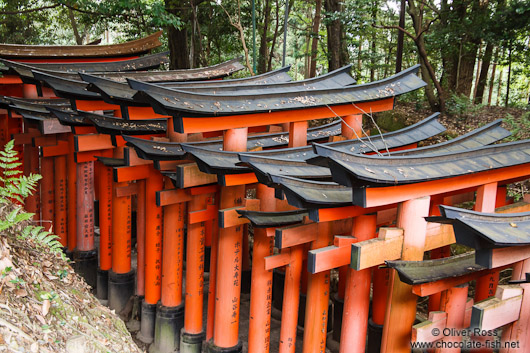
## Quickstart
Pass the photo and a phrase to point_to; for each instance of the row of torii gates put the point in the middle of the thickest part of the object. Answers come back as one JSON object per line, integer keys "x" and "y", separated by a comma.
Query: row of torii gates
{"x": 199, "y": 161}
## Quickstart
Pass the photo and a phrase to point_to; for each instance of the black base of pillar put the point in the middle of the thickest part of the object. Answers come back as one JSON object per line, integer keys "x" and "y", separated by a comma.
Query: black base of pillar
{"x": 191, "y": 343}
{"x": 211, "y": 348}
{"x": 338, "y": 308}
{"x": 121, "y": 289}
{"x": 102, "y": 286}
{"x": 69, "y": 254}
{"x": 278, "y": 283}
{"x": 147, "y": 325}
{"x": 86, "y": 265}
{"x": 168, "y": 324}
{"x": 375, "y": 334}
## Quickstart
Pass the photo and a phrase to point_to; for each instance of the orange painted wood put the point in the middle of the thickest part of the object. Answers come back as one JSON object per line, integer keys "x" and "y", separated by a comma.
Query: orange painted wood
{"x": 60, "y": 149}
{"x": 60, "y": 207}
{"x": 296, "y": 234}
{"x": 153, "y": 236}
{"x": 121, "y": 231}
{"x": 357, "y": 293}
{"x": 423, "y": 332}
{"x": 47, "y": 193}
{"x": 387, "y": 246}
{"x": 140, "y": 238}
{"x": 230, "y": 218}
{"x": 126, "y": 190}
{"x": 212, "y": 286}
{"x": 92, "y": 142}
{"x": 228, "y": 281}
{"x": 132, "y": 159}
{"x": 93, "y": 105}
{"x": 10, "y": 80}
{"x": 351, "y": 126}
{"x": 172, "y": 196}
{"x": 192, "y": 176}
{"x": 238, "y": 179}
{"x": 199, "y": 216}
{"x": 72, "y": 195}
{"x": 104, "y": 175}
{"x": 506, "y": 256}
{"x": 122, "y": 174}
{"x": 261, "y": 276}
{"x": 291, "y": 300}
{"x": 53, "y": 126}
{"x": 25, "y": 137}
{"x": 297, "y": 134}
{"x": 85, "y": 206}
{"x": 247, "y": 120}
{"x": 453, "y": 302}
{"x": 316, "y": 313}
{"x": 502, "y": 309}
{"x": 393, "y": 194}
{"x": 519, "y": 331}
{"x": 84, "y": 130}
{"x": 193, "y": 307}
{"x": 330, "y": 257}
{"x": 173, "y": 254}
{"x": 401, "y": 306}
{"x": 208, "y": 189}
{"x": 278, "y": 260}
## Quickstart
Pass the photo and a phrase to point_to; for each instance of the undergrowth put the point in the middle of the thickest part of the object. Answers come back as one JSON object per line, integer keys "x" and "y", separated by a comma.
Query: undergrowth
{"x": 14, "y": 189}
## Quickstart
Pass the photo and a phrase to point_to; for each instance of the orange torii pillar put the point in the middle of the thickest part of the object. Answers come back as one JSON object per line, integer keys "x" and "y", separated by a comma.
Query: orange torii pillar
{"x": 317, "y": 303}
{"x": 104, "y": 175}
{"x": 229, "y": 261}
{"x": 401, "y": 304}
{"x": 153, "y": 255}
{"x": 85, "y": 254}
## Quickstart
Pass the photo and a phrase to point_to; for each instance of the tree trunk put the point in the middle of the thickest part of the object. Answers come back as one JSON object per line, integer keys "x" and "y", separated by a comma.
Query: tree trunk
{"x": 401, "y": 35}
{"x": 314, "y": 43}
{"x": 499, "y": 86}
{"x": 477, "y": 74}
{"x": 179, "y": 57}
{"x": 263, "y": 45}
{"x": 78, "y": 39}
{"x": 492, "y": 79}
{"x": 429, "y": 91}
{"x": 507, "y": 99}
{"x": 275, "y": 36}
{"x": 334, "y": 31}
{"x": 374, "y": 38}
{"x": 483, "y": 76}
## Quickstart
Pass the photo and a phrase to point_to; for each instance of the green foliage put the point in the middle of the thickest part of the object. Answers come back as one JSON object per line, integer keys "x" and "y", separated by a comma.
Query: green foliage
{"x": 460, "y": 106}
{"x": 16, "y": 187}
{"x": 518, "y": 128}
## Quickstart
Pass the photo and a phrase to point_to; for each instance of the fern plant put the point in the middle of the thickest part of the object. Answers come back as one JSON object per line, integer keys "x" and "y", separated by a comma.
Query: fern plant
{"x": 14, "y": 188}
{"x": 14, "y": 185}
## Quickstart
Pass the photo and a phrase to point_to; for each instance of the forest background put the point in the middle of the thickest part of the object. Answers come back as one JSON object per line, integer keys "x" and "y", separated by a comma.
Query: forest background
{"x": 470, "y": 51}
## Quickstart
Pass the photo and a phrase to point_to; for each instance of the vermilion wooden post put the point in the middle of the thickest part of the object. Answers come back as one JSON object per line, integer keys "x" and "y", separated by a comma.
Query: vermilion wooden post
{"x": 140, "y": 238}
{"x": 212, "y": 281}
{"x": 192, "y": 334}
{"x": 401, "y": 305}
{"x": 72, "y": 195}
{"x": 153, "y": 256}
{"x": 519, "y": 331}
{"x": 317, "y": 303}
{"x": 121, "y": 278}
{"x": 485, "y": 202}
{"x": 60, "y": 208}
{"x": 104, "y": 175}
{"x": 31, "y": 165}
{"x": 291, "y": 300}
{"x": 453, "y": 302}
{"x": 351, "y": 126}
{"x": 298, "y": 134}
{"x": 357, "y": 293}
{"x": 228, "y": 281}
{"x": 261, "y": 283}
{"x": 85, "y": 255}
{"x": 381, "y": 279}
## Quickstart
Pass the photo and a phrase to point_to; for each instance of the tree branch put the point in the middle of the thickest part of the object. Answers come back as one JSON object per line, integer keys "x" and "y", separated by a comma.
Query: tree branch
{"x": 29, "y": 10}
{"x": 407, "y": 33}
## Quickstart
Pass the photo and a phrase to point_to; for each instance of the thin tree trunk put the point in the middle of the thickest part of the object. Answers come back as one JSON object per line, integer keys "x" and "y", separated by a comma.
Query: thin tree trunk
{"x": 374, "y": 38}
{"x": 483, "y": 76}
{"x": 78, "y": 38}
{"x": 263, "y": 46}
{"x": 509, "y": 76}
{"x": 499, "y": 86}
{"x": 275, "y": 36}
{"x": 477, "y": 74}
{"x": 401, "y": 35}
{"x": 492, "y": 80}
{"x": 314, "y": 44}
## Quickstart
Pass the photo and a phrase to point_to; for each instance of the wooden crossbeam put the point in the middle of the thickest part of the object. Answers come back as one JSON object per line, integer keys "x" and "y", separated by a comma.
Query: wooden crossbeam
{"x": 387, "y": 246}
{"x": 237, "y": 179}
{"x": 295, "y": 235}
{"x": 122, "y": 174}
{"x": 229, "y": 217}
{"x": 132, "y": 159}
{"x": 189, "y": 175}
{"x": 172, "y": 196}
{"x": 124, "y": 191}
{"x": 53, "y": 126}
{"x": 423, "y": 332}
{"x": 91, "y": 142}
{"x": 279, "y": 260}
{"x": 60, "y": 149}
{"x": 207, "y": 214}
{"x": 499, "y": 310}
{"x": 330, "y": 257}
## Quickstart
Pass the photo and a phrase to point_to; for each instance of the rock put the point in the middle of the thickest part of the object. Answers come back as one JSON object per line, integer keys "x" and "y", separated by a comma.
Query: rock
{"x": 76, "y": 344}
